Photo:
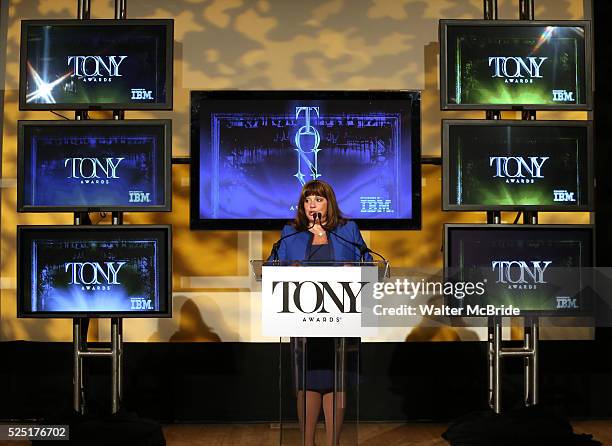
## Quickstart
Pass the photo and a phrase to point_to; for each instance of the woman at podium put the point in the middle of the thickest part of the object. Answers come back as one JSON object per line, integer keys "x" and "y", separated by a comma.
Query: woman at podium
{"x": 319, "y": 233}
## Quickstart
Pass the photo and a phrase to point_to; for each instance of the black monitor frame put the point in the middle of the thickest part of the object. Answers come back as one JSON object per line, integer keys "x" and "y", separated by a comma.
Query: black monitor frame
{"x": 167, "y": 105}
{"x": 522, "y": 227}
{"x": 167, "y": 125}
{"x": 21, "y": 229}
{"x": 196, "y": 222}
{"x": 443, "y": 27}
{"x": 448, "y": 123}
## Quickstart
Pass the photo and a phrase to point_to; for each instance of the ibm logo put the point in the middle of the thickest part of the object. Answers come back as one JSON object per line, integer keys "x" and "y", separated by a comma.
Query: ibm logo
{"x": 563, "y": 96}
{"x": 137, "y": 196}
{"x": 141, "y": 94}
{"x": 139, "y": 303}
{"x": 566, "y": 302}
{"x": 563, "y": 195}
{"x": 375, "y": 205}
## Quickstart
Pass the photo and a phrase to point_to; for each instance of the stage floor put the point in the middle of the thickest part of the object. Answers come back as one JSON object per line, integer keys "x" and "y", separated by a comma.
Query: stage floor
{"x": 370, "y": 434}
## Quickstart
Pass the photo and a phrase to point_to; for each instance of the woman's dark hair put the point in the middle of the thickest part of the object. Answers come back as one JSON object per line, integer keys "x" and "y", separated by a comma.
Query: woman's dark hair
{"x": 320, "y": 189}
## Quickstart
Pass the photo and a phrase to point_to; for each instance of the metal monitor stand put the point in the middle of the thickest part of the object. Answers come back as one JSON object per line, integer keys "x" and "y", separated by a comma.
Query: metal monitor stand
{"x": 529, "y": 352}
{"x": 495, "y": 351}
{"x": 81, "y": 350}
{"x": 80, "y": 325}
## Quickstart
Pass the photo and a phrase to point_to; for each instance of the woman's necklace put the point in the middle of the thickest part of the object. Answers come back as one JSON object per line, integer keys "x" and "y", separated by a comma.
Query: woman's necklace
{"x": 318, "y": 232}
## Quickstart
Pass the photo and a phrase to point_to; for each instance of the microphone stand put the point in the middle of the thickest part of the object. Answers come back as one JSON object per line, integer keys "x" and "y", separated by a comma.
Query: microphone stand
{"x": 363, "y": 248}
{"x": 276, "y": 245}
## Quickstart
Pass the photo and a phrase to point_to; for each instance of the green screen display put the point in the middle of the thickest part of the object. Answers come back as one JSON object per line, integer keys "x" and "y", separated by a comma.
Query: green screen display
{"x": 497, "y": 164}
{"x": 516, "y": 65}
{"x": 540, "y": 269}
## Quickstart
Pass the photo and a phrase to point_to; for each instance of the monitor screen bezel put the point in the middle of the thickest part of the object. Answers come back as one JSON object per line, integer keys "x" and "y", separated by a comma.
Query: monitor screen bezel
{"x": 414, "y": 96}
{"x": 167, "y": 172}
{"x": 448, "y": 206}
{"x": 524, "y": 227}
{"x": 21, "y": 256}
{"x": 443, "y": 28}
{"x": 167, "y": 105}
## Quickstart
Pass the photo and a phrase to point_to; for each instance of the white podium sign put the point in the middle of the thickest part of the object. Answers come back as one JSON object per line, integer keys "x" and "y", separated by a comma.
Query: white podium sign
{"x": 315, "y": 301}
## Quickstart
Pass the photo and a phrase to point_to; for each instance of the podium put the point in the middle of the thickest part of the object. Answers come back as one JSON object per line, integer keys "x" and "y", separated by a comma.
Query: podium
{"x": 314, "y": 308}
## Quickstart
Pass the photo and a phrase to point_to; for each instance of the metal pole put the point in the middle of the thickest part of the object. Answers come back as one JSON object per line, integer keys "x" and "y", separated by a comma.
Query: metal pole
{"x": 528, "y": 115}
{"x": 490, "y": 363}
{"x": 120, "y": 9}
{"x": 337, "y": 364}
{"x": 342, "y": 367}
{"x": 120, "y": 364}
{"x": 490, "y": 9}
{"x": 497, "y": 367}
{"x": 117, "y": 218}
{"x": 526, "y": 10}
{"x": 493, "y": 217}
{"x": 83, "y": 9}
{"x": 530, "y": 218}
{"x": 77, "y": 366}
{"x": 81, "y": 115}
{"x": 528, "y": 389}
{"x": 493, "y": 114}
{"x": 79, "y": 326}
{"x": 303, "y": 386}
{"x": 535, "y": 334}
{"x": 115, "y": 365}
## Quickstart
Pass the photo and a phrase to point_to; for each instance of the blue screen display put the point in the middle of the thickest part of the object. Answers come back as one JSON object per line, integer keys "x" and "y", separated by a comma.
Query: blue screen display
{"x": 93, "y": 166}
{"x": 75, "y": 271}
{"x": 104, "y": 64}
{"x": 255, "y": 155}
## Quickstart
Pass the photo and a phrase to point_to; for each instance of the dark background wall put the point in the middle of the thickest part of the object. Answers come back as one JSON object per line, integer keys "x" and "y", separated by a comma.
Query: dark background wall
{"x": 231, "y": 382}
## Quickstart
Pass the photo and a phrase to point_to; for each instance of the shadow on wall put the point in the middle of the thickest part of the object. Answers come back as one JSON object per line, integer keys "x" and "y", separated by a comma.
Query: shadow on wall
{"x": 189, "y": 324}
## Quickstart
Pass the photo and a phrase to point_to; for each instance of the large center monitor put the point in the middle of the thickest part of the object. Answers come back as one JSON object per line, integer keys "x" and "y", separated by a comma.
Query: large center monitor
{"x": 94, "y": 271}
{"x": 79, "y": 166}
{"x": 96, "y": 64}
{"x": 504, "y": 165}
{"x": 506, "y": 64}
{"x": 541, "y": 269}
{"x": 252, "y": 151}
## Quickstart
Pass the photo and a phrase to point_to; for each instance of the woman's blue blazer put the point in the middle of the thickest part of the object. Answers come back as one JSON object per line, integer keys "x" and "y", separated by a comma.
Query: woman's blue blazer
{"x": 297, "y": 247}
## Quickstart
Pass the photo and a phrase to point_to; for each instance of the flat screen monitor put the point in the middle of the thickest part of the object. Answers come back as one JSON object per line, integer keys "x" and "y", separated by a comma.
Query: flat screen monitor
{"x": 96, "y": 65}
{"x": 511, "y": 64}
{"x": 252, "y": 151}
{"x": 94, "y": 271}
{"x": 540, "y": 269}
{"x": 78, "y": 166}
{"x": 498, "y": 165}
